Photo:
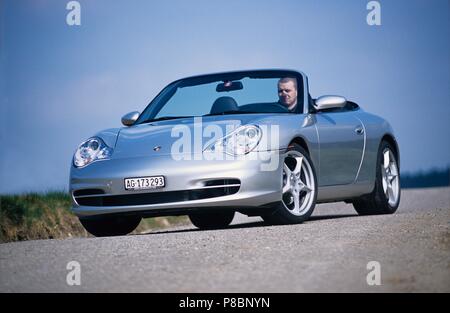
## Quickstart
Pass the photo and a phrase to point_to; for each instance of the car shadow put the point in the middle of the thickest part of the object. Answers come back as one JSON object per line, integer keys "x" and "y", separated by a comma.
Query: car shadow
{"x": 331, "y": 217}
{"x": 245, "y": 225}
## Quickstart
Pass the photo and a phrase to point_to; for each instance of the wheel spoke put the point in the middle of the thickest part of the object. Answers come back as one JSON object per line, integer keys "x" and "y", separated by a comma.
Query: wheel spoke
{"x": 303, "y": 186}
{"x": 296, "y": 202}
{"x": 391, "y": 178}
{"x": 287, "y": 170}
{"x": 287, "y": 187}
{"x": 390, "y": 193}
{"x": 394, "y": 180}
{"x": 298, "y": 167}
{"x": 385, "y": 183}
{"x": 394, "y": 170}
{"x": 383, "y": 172}
{"x": 306, "y": 188}
{"x": 386, "y": 159}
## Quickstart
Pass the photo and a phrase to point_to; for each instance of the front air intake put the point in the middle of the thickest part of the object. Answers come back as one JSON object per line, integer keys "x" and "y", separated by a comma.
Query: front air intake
{"x": 156, "y": 197}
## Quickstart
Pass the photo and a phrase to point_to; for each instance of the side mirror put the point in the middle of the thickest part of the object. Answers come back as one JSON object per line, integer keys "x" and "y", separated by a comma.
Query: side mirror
{"x": 130, "y": 118}
{"x": 330, "y": 102}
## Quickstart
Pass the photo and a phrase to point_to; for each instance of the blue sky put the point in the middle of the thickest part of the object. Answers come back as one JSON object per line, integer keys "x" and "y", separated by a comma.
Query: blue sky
{"x": 60, "y": 84}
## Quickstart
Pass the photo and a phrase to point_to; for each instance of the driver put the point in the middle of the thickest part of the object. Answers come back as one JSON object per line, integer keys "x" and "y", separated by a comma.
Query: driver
{"x": 287, "y": 92}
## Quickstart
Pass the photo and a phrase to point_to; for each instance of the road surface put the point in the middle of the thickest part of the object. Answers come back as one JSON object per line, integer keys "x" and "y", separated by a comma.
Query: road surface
{"x": 328, "y": 253}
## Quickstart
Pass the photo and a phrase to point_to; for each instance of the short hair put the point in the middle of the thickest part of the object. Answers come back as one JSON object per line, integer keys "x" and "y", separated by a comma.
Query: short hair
{"x": 288, "y": 79}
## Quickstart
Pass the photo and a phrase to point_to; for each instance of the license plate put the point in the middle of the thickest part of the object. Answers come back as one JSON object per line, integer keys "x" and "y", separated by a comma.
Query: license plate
{"x": 140, "y": 183}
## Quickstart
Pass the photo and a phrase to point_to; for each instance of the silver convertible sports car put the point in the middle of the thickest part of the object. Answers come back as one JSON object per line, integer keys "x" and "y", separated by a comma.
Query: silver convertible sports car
{"x": 253, "y": 142}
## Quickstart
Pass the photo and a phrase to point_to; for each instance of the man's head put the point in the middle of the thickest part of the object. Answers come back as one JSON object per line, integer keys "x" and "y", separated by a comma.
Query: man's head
{"x": 287, "y": 92}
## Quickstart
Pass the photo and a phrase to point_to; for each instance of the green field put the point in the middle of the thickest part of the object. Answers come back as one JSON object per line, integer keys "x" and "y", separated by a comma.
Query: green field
{"x": 48, "y": 216}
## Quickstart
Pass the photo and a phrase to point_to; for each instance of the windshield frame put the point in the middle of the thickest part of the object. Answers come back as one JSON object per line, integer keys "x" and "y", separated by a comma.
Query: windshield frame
{"x": 163, "y": 97}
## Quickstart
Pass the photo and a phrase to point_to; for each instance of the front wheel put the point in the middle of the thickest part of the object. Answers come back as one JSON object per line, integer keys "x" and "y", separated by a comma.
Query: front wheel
{"x": 110, "y": 225}
{"x": 212, "y": 220}
{"x": 385, "y": 198}
{"x": 299, "y": 189}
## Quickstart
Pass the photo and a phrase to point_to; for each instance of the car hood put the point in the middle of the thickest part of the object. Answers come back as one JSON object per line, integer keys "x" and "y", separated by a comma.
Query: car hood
{"x": 177, "y": 136}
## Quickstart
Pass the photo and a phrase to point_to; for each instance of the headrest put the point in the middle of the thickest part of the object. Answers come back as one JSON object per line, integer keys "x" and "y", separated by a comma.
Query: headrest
{"x": 224, "y": 104}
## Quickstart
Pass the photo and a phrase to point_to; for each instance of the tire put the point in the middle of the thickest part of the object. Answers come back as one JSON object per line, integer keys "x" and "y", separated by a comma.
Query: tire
{"x": 111, "y": 225}
{"x": 305, "y": 182}
{"x": 385, "y": 197}
{"x": 212, "y": 220}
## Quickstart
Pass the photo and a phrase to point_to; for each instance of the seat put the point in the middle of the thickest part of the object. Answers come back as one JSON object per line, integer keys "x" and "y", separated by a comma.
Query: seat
{"x": 224, "y": 104}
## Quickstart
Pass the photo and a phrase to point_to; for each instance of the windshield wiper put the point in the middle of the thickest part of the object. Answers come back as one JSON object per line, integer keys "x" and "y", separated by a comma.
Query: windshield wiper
{"x": 231, "y": 112}
{"x": 164, "y": 118}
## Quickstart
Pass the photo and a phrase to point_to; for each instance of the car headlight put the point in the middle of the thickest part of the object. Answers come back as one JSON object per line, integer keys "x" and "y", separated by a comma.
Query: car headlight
{"x": 91, "y": 150}
{"x": 239, "y": 142}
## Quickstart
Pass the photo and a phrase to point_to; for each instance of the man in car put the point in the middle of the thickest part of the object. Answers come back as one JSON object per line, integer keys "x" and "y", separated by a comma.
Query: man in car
{"x": 287, "y": 92}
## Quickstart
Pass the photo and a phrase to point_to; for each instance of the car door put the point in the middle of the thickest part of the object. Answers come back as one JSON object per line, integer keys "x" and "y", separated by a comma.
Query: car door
{"x": 341, "y": 144}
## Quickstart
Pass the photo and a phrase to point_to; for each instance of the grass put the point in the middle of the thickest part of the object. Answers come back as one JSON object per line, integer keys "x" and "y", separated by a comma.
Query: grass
{"x": 48, "y": 216}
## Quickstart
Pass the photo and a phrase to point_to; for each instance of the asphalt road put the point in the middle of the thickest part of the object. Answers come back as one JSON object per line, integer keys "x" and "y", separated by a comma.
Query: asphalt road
{"x": 328, "y": 253}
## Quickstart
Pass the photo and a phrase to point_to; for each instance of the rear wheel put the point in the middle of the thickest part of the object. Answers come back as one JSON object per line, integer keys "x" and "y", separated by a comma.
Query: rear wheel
{"x": 111, "y": 225}
{"x": 299, "y": 191}
{"x": 212, "y": 220}
{"x": 385, "y": 197}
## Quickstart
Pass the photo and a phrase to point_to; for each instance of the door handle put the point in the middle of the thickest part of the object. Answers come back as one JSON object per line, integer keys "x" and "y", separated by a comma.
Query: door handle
{"x": 359, "y": 130}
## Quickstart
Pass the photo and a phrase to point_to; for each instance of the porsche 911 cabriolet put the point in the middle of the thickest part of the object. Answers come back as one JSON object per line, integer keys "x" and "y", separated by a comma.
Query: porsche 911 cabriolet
{"x": 254, "y": 142}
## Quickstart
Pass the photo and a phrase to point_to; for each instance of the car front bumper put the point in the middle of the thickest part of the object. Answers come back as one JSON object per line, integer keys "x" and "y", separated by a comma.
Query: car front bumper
{"x": 242, "y": 183}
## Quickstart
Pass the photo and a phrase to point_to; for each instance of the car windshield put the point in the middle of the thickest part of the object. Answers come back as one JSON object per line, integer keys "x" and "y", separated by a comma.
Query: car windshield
{"x": 239, "y": 93}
